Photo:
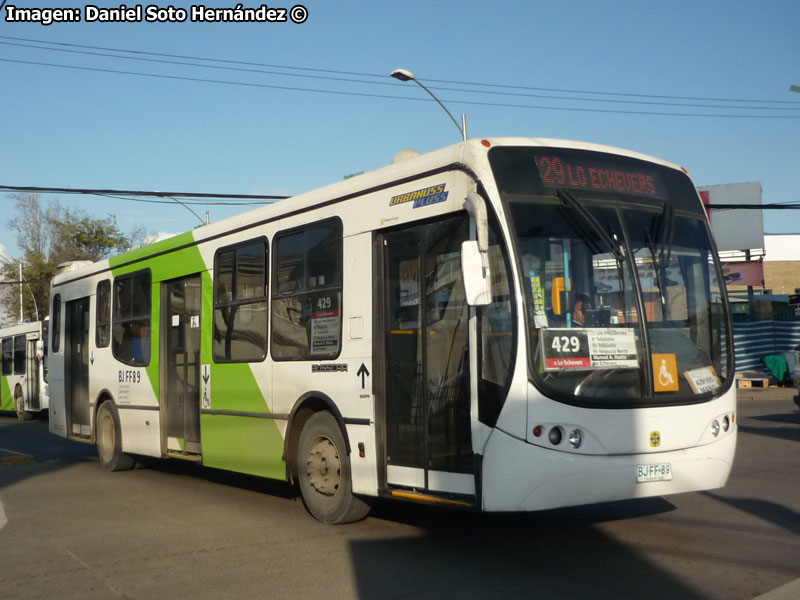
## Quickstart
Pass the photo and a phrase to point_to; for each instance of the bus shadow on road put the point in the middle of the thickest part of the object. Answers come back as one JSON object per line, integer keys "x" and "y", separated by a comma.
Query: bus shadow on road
{"x": 435, "y": 517}
{"x": 769, "y": 511}
{"x": 765, "y": 425}
{"x": 46, "y": 452}
{"x": 553, "y": 554}
{"x": 253, "y": 483}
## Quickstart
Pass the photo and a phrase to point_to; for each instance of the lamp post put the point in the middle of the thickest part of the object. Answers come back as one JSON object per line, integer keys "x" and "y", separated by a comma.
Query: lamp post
{"x": 21, "y": 315}
{"x": 21, "y": 281}
{"x": 406, "y": 75}
{"x": 190, "y": 210}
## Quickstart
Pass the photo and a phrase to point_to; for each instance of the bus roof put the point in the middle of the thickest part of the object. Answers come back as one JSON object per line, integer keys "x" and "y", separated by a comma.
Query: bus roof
{"x": 469, "y": 153}
{"x": 20, "y": 328}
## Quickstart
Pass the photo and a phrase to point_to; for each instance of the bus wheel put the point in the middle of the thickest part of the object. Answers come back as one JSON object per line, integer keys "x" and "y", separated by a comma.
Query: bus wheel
{"x": 19, "y": 405}
{"x": 109, "y": 439}
{"x": 324, "y": 472}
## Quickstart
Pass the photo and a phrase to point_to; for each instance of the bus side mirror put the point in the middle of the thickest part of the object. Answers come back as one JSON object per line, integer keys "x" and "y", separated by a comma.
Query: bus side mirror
{"x": 477, "y": 278}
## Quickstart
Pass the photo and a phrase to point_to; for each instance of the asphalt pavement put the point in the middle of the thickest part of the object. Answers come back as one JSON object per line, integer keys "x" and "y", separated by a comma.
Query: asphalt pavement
{"x": 768, "y": 393}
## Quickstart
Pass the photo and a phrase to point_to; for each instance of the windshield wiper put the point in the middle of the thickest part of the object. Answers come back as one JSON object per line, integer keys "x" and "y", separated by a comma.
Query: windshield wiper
{"x": 604, "y": 235}
{"x": 666, "y": 230}
{"x": 658, "y": 250}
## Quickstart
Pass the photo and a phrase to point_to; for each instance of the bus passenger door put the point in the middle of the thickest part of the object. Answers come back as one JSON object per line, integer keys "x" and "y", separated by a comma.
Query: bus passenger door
{"x": 32, "y": 376}
{"x": 182, "y": 358}
{"x": 76, "y": 351}
{"x": 426, "y": 371}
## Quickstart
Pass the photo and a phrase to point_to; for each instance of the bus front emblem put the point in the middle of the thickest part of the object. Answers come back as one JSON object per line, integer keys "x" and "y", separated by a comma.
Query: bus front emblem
{"x": 655, "y": 439}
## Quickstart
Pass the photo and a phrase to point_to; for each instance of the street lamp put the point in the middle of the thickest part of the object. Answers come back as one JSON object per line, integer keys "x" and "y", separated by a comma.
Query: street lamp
{"x": 406, "y": 75}
{"x": 35, "y": 304}
{"x": 187, "y": 208}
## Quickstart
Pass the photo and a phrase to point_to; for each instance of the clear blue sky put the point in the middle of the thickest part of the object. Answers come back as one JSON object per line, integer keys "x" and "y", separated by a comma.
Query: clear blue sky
{"x": 65, "y": 127}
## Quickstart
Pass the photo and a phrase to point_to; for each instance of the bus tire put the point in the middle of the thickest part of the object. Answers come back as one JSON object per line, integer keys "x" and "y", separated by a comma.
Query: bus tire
{"x": 19, "y": 405}
{"x": 109, "y": 439}
{"x": 324, "y": 472}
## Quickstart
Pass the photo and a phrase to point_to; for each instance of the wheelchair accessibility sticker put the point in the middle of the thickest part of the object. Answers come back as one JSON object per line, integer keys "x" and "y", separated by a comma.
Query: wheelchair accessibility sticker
{"x": 665, "y": 373}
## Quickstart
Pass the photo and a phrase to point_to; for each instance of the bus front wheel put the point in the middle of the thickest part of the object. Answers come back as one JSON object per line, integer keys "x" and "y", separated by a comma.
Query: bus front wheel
{"x": 109, "y": 439}
{"x": 324, "y": 472}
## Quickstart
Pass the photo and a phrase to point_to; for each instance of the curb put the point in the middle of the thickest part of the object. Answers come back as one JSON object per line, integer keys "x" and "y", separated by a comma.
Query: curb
{"x": 9, "y": 457}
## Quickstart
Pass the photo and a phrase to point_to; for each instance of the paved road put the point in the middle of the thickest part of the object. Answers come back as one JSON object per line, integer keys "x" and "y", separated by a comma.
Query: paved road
{"x": 178, "y": 530}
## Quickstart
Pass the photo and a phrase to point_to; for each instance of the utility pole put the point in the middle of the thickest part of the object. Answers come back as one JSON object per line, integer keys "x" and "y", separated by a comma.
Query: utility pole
{"x": 21, "y": 316}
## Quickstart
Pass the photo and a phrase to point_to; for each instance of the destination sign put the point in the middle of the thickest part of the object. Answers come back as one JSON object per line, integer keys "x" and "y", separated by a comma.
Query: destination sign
{"x": 558, "y": 172}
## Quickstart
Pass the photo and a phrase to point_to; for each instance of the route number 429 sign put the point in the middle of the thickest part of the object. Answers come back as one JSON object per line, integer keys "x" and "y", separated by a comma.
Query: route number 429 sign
{"x": 588, "y": 348}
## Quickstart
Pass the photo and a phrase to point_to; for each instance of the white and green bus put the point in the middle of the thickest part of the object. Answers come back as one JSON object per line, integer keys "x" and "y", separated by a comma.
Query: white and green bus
{"x": 506, "y": 324}
{"x": 23, "y": 379}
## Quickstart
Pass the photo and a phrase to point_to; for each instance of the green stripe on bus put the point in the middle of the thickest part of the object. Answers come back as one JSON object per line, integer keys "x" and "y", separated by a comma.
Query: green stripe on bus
{"x": 244, "y": 444}
{"x": 6, "y": 398}
{"x": 171, "y": 243}
{"x": 163, "y": 267}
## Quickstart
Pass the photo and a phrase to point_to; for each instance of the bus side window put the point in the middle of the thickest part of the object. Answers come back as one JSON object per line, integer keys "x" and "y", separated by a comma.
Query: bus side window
{"x": 19, "y": 354}
{"x": 496, "y": 327}
{"x": 103, "y": 316}
{"x": 8, "y": 356}
{"x": 131, "y": 318}
{"x": 240, "y": 302}
{"x": 307, "y": 292}
{"x": 56, "y": 325}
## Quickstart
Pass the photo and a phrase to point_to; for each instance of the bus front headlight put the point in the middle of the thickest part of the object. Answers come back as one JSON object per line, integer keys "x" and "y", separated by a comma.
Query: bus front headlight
{"x": 575, "y": 438}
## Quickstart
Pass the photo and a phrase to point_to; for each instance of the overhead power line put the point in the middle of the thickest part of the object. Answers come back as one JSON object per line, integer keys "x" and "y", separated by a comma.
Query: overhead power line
{"x": 420, "y": 99}
{"x": 140, "y": 195}
{"x": 25, "y": 282}
{"x": 617, "y": 100}
{"x": 312, "y": 73}
{"x": 773, "y": 206}
{"x": 383, "y": 75}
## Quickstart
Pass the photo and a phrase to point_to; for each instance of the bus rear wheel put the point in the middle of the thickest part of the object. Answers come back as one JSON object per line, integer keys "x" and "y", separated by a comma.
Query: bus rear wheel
{"x": 109, "y": 439}
{"x": 324, "y": 472}
{"x": 19, "y": 405}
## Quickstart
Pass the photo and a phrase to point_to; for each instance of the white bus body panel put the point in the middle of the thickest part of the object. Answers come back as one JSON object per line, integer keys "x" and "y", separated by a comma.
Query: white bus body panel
{"x": 81, "y": 288}
{"x": 603, "y": 468}
{"x": 538, "y": 479}
{"x": 142, "y": 431}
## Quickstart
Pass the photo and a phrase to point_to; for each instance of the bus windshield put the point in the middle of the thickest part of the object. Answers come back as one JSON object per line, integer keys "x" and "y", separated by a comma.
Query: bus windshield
{"x": 623, "y": 294}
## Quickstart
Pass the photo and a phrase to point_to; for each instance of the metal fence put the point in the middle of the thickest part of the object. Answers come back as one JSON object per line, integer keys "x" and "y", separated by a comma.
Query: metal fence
{"x": 753, "y": 341}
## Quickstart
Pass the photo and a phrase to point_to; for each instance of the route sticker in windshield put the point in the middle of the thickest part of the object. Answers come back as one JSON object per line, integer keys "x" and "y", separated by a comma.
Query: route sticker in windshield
{"x": 588, "y": 348}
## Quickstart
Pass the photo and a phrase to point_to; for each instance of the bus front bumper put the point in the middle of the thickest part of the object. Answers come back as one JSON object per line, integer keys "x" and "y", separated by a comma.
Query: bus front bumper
{"x": 518, "y": 476}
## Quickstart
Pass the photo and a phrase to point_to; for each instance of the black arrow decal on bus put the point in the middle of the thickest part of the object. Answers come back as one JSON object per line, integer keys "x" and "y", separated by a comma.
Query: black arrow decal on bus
{"x": 363, "y": 372}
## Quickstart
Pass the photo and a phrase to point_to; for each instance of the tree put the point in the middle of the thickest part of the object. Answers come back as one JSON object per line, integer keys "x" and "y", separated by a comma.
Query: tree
{"x": 48, "y": 236}
{"x": 76, "y": 236}
{"x": 35, "y": 289}
{"x": 34, "y": 222}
